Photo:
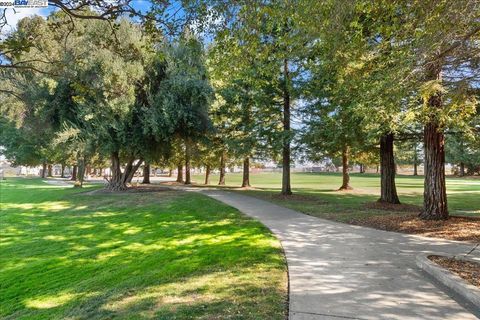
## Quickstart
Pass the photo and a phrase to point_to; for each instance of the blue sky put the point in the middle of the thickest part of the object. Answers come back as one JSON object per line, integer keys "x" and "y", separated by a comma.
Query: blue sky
{"x": 14, "y": 15}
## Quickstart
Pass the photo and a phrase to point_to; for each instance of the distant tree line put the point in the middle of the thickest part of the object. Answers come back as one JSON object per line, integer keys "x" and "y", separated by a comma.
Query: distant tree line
{"x": 232, "y": 82}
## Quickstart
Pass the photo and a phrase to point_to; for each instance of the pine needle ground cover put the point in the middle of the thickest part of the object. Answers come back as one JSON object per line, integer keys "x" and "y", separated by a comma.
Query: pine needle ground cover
{"x": 68, "y": 254}
{"x": 316, "y": 194}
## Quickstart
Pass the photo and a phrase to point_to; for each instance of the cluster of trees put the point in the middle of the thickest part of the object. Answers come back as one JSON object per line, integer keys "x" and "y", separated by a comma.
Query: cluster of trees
{"x": 352, "y": 81}
{"x": 101, "y": 91}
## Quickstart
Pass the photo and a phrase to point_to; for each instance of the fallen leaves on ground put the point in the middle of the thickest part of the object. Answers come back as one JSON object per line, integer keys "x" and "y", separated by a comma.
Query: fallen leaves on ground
{"x": 467, "y": 270}
{"x": 404, "y": 219}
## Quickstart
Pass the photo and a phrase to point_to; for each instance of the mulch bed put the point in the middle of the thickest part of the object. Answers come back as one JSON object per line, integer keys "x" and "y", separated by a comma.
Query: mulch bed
{"x": 377, "y": 205}
{"x": 404, "y": 218}
{"x": 469, "y": 271}
{"x": 134, "y": 189}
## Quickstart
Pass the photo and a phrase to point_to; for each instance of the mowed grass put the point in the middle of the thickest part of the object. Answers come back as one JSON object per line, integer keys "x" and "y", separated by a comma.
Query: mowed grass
{"x": 65, "y": 254}
{"x": 316, "y": 193}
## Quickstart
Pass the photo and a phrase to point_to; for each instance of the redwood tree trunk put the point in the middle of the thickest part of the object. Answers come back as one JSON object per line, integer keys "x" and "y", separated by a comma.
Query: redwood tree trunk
{"x": 345, "y": 169}
{"x": 435, "y": 191}
{"x": 286, "y": 187}
{"x": 74, "y": 173}
{"x": 246, "y": 172}
{"x": 180, "y": 173}
{"x": 44, "y": 170}
{"x": 388, "y": 190}
{"x": 207, "y": 174}
{"x": 146, "y": 174}
{"x": 221, "y": 180}
{"x": 187, "y": 162}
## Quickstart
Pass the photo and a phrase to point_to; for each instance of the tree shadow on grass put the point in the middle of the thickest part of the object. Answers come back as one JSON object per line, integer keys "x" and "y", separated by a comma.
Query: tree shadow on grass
{"x": 80, "y": 260}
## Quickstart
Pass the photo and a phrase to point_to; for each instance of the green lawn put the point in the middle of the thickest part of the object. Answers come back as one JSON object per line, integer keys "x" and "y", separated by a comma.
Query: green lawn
{"x": 317, "y": 193}
{"x": 166, "y": 255}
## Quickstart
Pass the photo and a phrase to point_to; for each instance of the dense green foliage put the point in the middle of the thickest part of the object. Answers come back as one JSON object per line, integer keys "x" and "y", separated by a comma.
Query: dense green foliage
{"x": 248, "y": 81}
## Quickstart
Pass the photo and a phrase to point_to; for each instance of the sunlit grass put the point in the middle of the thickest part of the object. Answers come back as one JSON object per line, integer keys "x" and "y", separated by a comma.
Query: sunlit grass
{"x": 167, "y": 255}
{"x": 322, "y": 198}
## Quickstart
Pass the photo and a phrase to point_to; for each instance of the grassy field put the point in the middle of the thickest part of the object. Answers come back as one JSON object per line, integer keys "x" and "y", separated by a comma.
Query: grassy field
{"x": 65, "y": 254}
{"x": 316, "y": 193}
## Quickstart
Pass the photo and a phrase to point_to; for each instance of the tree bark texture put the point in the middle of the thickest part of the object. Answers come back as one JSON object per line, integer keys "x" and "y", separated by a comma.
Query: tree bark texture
{"x": 345, "y": 169}
{"x": 44, "y": 170}
{"x": 246, "y": 172}
{"x": 180, "y": 173}
{"x": 286, "y": 185}
{"x": 81, "y": 172}
{"x": 207, "y": 174}
{"x": 119, "y": 179}
{"x": 221, "y": 180}
{"x": 49, "y": 170}
{"x": 74, "y": 173}
{"x": 435, "y": 191}
{"x": 62, "y": 173}
{"x": 388, "y": 189}
{"x": 146, "y": 174}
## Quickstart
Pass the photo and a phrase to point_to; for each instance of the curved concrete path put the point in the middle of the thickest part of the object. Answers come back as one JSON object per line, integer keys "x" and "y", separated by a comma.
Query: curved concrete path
{"x": 340, "y": 271}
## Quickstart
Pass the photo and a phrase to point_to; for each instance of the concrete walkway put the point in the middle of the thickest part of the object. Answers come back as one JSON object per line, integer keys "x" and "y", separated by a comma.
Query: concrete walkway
{"x": 339, "y": 271}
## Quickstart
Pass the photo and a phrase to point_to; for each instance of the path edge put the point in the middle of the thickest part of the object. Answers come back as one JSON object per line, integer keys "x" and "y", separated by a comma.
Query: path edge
{"x": 450, "y": 280}
{"x": 287, "y": 302}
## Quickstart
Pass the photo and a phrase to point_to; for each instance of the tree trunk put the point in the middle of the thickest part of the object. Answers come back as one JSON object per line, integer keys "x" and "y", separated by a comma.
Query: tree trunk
{"x": 133, "y": 169}
{"x": 81, "y": 173}
{"x": 221, "y": 180}
{"x": 88, "y": 171}
{"x": 180, "y": 173}
{"x": 146, "y": 174}
{"x": 44, "y": 170}
{"x": 345, "y": 169}
{"x": 187, "y": 162}
{"x": 62, "y": 173}
{"x": 246, "y": 172}
{"x": 388, "y": 189}
{"x": 207, "y": 174}
{"x": 117, "y": 181}
{"x": 462, "y": 169}
{"x": 170, "y": 172}
{"x": 74, "y": 173}
{"x": 100, "y": 171}
{"x": 362, "y": 168}
{"x": 435, "y": 191}
{"x": 49, "y": 170}
{"x": 286, "y": 187}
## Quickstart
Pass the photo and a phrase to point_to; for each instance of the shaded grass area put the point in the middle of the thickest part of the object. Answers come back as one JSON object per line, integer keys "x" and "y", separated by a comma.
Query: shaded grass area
{"x": 65, "y": 254}
{"x": 316, "y": 194}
